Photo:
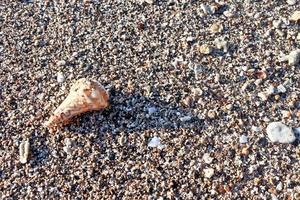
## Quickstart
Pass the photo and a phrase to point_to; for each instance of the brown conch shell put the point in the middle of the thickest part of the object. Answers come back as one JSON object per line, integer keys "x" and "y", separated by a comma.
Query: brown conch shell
{"x": 84, "y": 96}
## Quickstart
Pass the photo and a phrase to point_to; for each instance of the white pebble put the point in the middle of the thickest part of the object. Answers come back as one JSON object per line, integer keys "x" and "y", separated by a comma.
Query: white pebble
{"x": 155, "y": 142}
{"x": 221, "y": 43}
{"x": 185, "y": 118}
{"x": 277, "y": 23}
{"x": 291, "y": 2}
{"x": 208, "y": 172}
{"x": 61, "y": 63}
{"x": 279, "y": 132}
{"x": 243, "y": 139}
{"x": 24, "y": 151}
{"x": 281, "y": 89}
{"x": 228, "y": 14}
{"x": 294, "y": 57}
{"x": 279, "y": 186}
{"x": 255, "y": 128}
{"x": 263, "y": 96}
{"x": 207, "y": 159}
{"x": 60, "y": 77}
{"x": 68, "y": 146}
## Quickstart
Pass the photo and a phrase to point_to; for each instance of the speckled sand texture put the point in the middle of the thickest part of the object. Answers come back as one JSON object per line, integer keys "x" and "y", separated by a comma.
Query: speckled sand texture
{"x": 204, "y": 78}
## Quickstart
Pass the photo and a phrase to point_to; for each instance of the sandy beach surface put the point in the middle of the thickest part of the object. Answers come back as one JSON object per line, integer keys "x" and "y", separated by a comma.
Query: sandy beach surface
{"x": 195, "y": 88}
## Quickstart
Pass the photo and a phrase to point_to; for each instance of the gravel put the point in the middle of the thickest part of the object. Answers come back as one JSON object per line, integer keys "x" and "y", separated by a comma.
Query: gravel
{"x": 147, "y": 55}
{"x": 279, "y": 132}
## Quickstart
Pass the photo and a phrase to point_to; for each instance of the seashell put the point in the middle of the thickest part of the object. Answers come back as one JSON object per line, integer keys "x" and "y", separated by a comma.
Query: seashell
{"x": 84, "y": 96}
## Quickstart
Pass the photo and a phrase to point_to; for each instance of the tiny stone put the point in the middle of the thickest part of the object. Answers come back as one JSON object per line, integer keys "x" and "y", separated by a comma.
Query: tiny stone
{"x": 60, "y": 77}
{"x": 255, "y": 128}
{"x": 185, "y": 118}
{"x": 294, "y": 57}
{"x": 279, "y": 132}
{"x": 68, "y": 145}
{"x": 216, "y": 28}
{"x": 245, "y": 151}
{"x": 277, "y": 97}
{"x": 205, "y": 49}
{"x": 221, "y": 43}
{"x": 211, "y": 114}
{"x": 243, "y": 139}
{"x": 146, "y": 1}
{"x": 61, "y": 63}
{"x": 281, "y": 89}
{"x": 277, "y": 23}
{"x": 24, "y": 151}
{"x": 279, "y": 186}
{"x": 155, "y": 142}
{"x": 263, "y": 96}
{"x": 291, "y": 2}
{"x": 206, "y": 9}
{"x": 208, "y": 172}
{"x": 228, "y": 14}
{"x": 151, "y": 110}
{"x": 295, "y": 16}
{"x": 207, "y": 159}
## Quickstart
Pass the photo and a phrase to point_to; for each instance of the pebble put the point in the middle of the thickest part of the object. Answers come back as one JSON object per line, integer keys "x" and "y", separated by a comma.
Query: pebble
{"x": 279, "y": 186}
{"x": 206, "y": 9}
{"x": 221, "y": 43}
{"x": 263, "y": 96}
{"x": 185, "y": 118}
{"x": 61, "y": 63}
{"x": 151, "y": 110}
{"x": 281, "y": 89}
{"x": 243, "y": 139}
{"x": 60, "y": 77}
{"x": 211, "y": 114}
{"x": 294, "y": 57}
{"x": 279, "y": 132}
{"x": 155, "y": 142}
{"x": 245, "y": 151}
{"x": 216, "y": 28}
{"x": 24, "y": 151}
{"x": 277, "y": 23}
{"x": 146, "y": 1}
{"x": 208, "y": 172}
{"x": 207, "y": 159}
{"x": 228, "y": 14}
{"x": 295, "y": 16}
{"x": 205, "y": 49}
{"x": 291, "y": 2}
{"x": 68, "y": 146}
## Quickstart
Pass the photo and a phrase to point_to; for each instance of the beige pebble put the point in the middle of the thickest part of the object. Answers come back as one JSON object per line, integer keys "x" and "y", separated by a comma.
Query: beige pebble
{"x": 24, "y": 151}
{"x": 216, "y": 28}
{"x": 211, "y": 114}
{"x": 205, "y": 49}
{"x": 245, "y": 151}
{"x": 295, "y": 16}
